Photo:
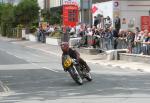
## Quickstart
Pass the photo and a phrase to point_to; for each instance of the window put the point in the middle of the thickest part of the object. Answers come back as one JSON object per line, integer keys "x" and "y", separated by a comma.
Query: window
{"x": 72, "y": 15}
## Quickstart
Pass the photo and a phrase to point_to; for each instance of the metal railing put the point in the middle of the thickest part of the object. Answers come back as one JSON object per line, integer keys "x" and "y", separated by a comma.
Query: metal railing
{"x": 105, "y": 44}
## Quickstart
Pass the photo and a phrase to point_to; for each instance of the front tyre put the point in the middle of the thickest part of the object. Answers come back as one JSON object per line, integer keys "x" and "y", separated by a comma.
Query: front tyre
{"x": 75, "y": 76}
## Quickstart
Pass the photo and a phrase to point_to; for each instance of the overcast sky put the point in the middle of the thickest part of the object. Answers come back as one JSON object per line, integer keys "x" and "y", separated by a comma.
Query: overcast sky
{"x": 41, "y": 3}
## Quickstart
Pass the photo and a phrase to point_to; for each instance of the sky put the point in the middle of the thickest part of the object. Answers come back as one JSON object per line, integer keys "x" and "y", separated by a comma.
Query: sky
{"x": 15, "y": 1}
{"x": 41, "y": 4}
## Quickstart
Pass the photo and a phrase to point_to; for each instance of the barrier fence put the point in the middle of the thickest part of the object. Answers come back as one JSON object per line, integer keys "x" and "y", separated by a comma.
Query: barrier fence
{"x": 114, "y": 43}
{"x": 11, "y": 32}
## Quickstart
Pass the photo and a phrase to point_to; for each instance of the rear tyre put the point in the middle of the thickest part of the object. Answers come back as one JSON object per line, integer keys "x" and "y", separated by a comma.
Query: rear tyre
{"x": 88, "y": 77}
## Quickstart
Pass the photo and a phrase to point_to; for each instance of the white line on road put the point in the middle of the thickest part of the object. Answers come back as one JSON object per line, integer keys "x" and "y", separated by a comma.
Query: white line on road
{"x": 56, "y": 54}
{"x": 50, "y": 69}
{"x": 10, "y": 53}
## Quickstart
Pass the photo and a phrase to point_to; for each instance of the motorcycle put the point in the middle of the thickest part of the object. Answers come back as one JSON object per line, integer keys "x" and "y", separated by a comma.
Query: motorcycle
{"x": 76, "y": 70}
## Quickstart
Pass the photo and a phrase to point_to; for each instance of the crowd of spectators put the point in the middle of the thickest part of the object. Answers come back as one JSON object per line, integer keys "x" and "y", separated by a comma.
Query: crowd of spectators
{"x": 136, "y": 41}
{"x": 108, "y": 38}
{"x": 47, "y": 31}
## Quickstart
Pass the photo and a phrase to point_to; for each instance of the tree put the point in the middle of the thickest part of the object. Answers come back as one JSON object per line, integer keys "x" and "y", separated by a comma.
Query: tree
{"x": 55, "y": 17}
{"x": 1, "y": 9}
{"x": 46, "y": 15}
{"x": 6, "y": 18}
{"x": 52, "y": 15}
{"x": 27, "y": 12}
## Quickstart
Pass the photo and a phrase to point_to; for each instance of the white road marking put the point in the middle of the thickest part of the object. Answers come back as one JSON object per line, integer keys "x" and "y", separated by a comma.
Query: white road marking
{"x": 50, "y": 69}
{"x": 36, "y": 55}
{"x": 56, "y": 54}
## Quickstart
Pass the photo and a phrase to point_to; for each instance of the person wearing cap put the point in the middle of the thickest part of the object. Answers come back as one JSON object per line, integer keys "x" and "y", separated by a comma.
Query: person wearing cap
{"x": 73, "y": 54}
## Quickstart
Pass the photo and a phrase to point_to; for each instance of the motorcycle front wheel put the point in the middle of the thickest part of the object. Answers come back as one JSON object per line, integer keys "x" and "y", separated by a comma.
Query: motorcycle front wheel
{"x": 75, "y": 76}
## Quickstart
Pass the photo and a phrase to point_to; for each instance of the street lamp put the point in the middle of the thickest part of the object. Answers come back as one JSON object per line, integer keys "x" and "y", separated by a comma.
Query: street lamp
{"x": 90, "y": 14}
{"x": 39, "y": 17}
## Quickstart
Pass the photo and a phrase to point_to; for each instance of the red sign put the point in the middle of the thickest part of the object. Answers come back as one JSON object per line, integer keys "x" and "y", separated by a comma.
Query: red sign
{"x": 145, "y": 23}
{"x": 70, "y": 15}
{"x": 94, "y": 9}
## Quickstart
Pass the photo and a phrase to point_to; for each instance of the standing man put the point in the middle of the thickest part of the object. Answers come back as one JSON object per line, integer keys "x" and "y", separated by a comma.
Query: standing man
{"x": 96, "y": 21}
{"x": 114, "y": 34}
{"x": 117, "y": 23}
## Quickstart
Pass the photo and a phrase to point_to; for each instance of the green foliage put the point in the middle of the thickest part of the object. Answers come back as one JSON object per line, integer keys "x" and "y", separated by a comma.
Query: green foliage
{"x": 46, "y": 15}
{"x": 32, "y": 29}
{"x": 6, "y": 19}
{"x": 27, "y": 12}
{"x": 52, "y": 16}
{"x": 22, "y": 15}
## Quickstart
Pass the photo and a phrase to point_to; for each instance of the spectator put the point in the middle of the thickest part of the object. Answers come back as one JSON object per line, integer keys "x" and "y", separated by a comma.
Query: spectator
{"x": 137, "y": 42}
{"x": 51, "y": 29}
{"x": 96, "y": 21}
{"x": 122, "y": 37}
{"x": 117, "y": 23}
{"x": 148, "y": 48}
{"x": 145, "y": 43}
{"x": 130, "y": 41}
{"x": 78, "y": 29}
{"x": 72, "y": 31}
{"x": 114, "y": 37}
{"x": 40, "y": 33}
{"x": 108, "y": 22}
{"x": 108, "y": 39}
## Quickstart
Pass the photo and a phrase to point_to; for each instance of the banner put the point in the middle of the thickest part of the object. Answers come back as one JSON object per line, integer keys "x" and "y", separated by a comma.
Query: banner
{"x": 145, "y": 23}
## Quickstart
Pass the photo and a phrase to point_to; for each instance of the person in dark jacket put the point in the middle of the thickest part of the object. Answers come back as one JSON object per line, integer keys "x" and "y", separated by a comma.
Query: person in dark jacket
{"x": 114, "y": 34}
{"x": 73, "y": 54}
{"x": 117, "y": 23}
{"x": 96, "y": 21}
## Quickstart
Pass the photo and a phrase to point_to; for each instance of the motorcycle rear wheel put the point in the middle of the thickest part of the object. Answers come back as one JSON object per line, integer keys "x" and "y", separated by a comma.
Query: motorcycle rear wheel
{"x": 88, "y": 77}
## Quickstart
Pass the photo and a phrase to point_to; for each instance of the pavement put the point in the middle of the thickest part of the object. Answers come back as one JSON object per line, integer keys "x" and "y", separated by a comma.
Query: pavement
{"x": 97, "y": 59}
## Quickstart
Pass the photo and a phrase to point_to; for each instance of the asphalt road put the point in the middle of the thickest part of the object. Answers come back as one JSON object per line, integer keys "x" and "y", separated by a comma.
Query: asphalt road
{"x": 37, "y": 77}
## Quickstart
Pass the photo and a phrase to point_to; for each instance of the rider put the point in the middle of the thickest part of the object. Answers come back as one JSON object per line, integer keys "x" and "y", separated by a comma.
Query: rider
{"x": 73, "y": 54}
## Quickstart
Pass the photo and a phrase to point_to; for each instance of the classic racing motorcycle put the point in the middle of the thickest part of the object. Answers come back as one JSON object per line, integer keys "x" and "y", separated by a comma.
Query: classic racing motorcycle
{"x": 76, "y": 70}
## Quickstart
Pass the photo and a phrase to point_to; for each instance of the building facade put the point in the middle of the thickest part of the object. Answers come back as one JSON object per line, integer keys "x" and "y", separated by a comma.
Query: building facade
{"x": 55, "y": 3}
{"x": 85, "y": 15}
{"x": 129, "y": 11}
{"x": 47, "y": 4}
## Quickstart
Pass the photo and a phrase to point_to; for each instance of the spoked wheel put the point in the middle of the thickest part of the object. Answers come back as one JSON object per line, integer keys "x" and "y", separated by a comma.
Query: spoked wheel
{"x": 76, "y": 77}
